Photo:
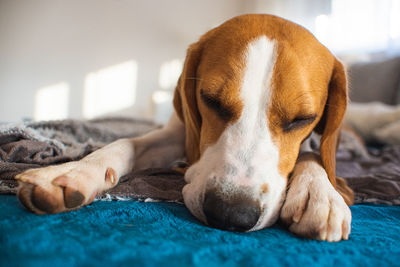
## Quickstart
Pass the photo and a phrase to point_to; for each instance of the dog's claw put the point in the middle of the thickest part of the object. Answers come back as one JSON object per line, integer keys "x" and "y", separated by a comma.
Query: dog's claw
{"x": 322, "y": 233}
{"x": 111, "y": 176}
{"x": 297, "y": 216}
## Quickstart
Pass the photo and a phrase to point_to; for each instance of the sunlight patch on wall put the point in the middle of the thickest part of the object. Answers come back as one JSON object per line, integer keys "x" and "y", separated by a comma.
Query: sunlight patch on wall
{"x": 169, "y": 73}
{"x": 110, "y": 89}
{"x": 51, "y": 102}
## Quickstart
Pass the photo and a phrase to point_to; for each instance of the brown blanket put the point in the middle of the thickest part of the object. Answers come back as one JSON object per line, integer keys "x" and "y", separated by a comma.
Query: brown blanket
{"x": 374, "y": 175}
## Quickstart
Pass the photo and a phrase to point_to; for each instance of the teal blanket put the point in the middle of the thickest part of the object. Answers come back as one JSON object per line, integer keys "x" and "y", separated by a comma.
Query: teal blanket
{"x": 166, "y": 234}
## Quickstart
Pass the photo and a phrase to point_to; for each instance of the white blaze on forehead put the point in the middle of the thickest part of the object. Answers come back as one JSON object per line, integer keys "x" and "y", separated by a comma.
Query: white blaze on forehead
{"x": 256, "y": 94}
{"x": 246, "y": 145}
{"x": 256, "y": 86}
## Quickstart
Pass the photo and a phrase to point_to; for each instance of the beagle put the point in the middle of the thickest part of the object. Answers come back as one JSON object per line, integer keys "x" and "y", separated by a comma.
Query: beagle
{"x": 251, "y": 93}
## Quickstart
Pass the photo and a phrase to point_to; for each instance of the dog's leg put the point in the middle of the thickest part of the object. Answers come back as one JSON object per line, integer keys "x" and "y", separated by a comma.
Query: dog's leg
{"x": 313, "y": 208}
{"x": 71, "y": 185}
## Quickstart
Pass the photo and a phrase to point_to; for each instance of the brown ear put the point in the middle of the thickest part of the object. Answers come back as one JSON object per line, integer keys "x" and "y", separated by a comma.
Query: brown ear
{"x": 329, "y": 128}
{"x": 185, "y": 103}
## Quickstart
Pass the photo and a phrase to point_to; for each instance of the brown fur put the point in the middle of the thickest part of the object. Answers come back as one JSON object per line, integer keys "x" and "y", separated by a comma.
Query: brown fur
{"x": 307, "y": 80}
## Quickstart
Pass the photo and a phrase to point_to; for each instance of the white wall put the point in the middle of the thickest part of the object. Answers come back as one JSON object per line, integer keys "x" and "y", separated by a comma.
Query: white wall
{"x": 61, "y": 43}
{"x": 45, "y": 42}
{"x": 302, "y": 12}
{"x": 350, "y": 28}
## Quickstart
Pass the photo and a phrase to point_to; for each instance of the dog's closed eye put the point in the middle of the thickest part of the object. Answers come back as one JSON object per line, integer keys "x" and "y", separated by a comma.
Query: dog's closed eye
{"x": 215, "y": 104}
{"x": 298, "y": 122}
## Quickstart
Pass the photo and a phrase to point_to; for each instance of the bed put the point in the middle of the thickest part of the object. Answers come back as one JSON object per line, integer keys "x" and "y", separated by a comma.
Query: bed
{"x": 129, "y": 233}
{"x": 142, "y": 221}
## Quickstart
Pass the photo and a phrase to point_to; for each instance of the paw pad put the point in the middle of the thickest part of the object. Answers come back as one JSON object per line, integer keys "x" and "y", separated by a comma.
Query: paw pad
{"x": 72, "y": 198}
{"x": 43, "y": 200}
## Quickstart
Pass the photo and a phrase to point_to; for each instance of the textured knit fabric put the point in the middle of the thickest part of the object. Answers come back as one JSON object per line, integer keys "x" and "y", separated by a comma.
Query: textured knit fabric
{"x": 375, "y": 178}
{"x": 165, "y": 234}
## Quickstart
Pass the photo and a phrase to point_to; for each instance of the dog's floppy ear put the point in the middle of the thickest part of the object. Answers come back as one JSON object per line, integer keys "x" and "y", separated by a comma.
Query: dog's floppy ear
{"x": 185, "y": 102}
{"x": 329, "y": 128}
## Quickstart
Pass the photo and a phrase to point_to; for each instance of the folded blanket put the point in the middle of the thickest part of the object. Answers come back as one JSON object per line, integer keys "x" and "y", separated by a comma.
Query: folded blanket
{"x": 374, "y": 175}
{"x": 32, "y": 145}
{"x": 375, "y": 122}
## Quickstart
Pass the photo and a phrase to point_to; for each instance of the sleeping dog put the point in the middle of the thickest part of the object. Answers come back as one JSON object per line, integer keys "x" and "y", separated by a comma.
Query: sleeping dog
{"x": 250, "y": 94}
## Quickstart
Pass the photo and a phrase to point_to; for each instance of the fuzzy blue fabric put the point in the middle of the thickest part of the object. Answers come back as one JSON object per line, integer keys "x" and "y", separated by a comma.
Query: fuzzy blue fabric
{"x": 166, "y": 234}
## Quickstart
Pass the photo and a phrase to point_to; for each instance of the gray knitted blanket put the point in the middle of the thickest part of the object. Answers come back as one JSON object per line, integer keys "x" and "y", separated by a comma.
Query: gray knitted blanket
{"x": 374, "y": 175}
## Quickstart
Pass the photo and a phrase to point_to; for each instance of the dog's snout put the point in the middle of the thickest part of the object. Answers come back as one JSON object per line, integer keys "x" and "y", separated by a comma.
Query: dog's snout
{"x": 238, "y": 213}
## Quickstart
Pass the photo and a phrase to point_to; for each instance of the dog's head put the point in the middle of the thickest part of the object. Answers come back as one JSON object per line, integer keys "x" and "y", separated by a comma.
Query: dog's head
{"x": 250, "y": 92}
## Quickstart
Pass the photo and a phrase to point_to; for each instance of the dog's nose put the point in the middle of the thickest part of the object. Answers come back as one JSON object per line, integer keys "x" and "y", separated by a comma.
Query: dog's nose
{"x": 238, "y": 213}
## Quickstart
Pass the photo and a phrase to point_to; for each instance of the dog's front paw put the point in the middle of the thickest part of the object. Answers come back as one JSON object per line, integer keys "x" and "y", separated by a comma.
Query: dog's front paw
{"x": 313, "y": 208}
{"x": 64, "y": 187}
